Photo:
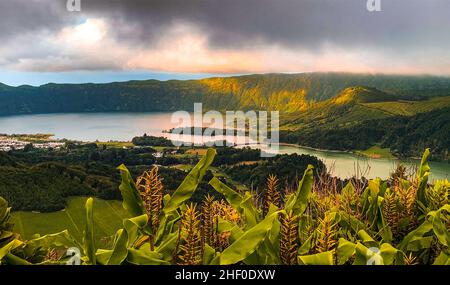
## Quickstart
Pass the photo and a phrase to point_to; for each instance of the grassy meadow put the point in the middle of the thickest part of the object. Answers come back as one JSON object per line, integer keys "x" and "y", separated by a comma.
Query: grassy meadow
{"x": 108, "y": 216}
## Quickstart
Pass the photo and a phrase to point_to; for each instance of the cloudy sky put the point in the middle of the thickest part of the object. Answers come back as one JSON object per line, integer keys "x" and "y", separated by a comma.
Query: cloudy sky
{"x": 41, "y": 41}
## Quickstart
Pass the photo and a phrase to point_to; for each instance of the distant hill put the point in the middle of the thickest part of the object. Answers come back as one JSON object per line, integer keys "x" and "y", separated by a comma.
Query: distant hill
{"x": 361, "y": 94}
{"x": 403, "y": 136}
{"x": 359, "y": 118}
{"x": 287, "y": 93}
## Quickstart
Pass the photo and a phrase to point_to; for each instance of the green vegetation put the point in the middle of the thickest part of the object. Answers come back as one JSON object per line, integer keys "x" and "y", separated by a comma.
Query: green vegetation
{"x": 356, "y": 120}
{"x": 286, "y": 167}
{"x": 114, "y": 144}
{"x": 405, "y": 218}
{"x": 107, "y": 216}
{"x": 42, "y": 179}
{"x": 146, "y": 140}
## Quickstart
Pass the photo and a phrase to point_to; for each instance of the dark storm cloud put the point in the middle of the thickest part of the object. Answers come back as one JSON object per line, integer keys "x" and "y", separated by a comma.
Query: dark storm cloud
{"x": 237, "y": 23}
{"x": 25, "y": 17}
{"x": 306, "y": 23}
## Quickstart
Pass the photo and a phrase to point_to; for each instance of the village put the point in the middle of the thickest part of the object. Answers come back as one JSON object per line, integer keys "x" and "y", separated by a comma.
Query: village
{"x": 8, "y": 143}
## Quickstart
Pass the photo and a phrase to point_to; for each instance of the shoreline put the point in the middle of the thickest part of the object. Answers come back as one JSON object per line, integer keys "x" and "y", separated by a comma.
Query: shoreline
{"x": 356, "y": 152}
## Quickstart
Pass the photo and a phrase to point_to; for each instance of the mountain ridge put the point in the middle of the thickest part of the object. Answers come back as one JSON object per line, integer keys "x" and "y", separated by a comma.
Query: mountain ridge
{"x": 284, "y": 92}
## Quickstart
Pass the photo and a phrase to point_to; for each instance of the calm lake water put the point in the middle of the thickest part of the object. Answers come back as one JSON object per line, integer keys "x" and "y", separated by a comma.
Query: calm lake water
{"x": 124, "y": 126}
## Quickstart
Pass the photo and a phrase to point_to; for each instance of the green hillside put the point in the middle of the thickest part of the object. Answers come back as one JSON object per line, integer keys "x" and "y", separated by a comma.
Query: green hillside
{"x": 355, "y": 105}
{"x": 284, "y": 92}
{"x": 405, "y": 136}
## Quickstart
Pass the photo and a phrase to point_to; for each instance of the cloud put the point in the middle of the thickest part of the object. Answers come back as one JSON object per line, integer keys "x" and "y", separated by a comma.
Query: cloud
{"x": 226, "y": 36}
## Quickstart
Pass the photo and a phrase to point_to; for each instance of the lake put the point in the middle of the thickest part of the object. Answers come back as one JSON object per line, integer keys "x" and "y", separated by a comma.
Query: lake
{"x": 125, "y": 126}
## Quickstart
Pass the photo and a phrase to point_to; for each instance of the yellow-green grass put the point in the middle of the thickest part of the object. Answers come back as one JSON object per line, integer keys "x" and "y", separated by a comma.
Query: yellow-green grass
{"x": 196, "y": 151}
{"x": 159, "y": 148}
{"x": 376, "y": 152}
{"x": 108, "y": 217}
{"x": 409, "y": 108}
{"x": 115, "y": 144}
{"x": 184, "y": 167}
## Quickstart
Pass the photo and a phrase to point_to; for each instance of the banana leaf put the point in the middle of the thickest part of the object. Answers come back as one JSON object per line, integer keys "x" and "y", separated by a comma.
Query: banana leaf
{"x": 442, "y": 259}
{"x": 145, "y": 257}
{"x": 383, "y": 255}
{"x": 345, "y": 251}
{"x": 190, "y": 183}
{"x": 248, "y": 242}
{"x": 4, "y": 212}
{"x": 422, "y": 176}
{"x": 323, "y": 258}
{"x": 6, "y": 249}
{"x": 298, "y": 202}
{"x": 243, "y": 204}
{"x": 15, "y": 260}
{"x": 439, "y": 228}
{"x": 62, "y": 238}
{"x": 366, "y": 239}
{"x": 119, "y": 252}
{"x": 134, "y": 226}
{"x": 168, "y": 246}
{"x": 88, "y": 237}
{"x": 132, "y": 201}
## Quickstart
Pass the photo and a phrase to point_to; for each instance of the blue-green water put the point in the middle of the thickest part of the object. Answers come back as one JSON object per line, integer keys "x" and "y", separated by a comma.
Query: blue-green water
{"x": 124, "y": 126}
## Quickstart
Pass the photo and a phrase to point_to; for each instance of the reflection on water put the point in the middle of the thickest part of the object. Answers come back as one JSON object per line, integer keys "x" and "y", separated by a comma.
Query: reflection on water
{"x": 124, "y": 126}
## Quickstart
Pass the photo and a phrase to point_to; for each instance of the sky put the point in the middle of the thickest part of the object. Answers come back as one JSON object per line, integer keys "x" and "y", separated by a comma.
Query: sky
{"x": 42, "y": 41}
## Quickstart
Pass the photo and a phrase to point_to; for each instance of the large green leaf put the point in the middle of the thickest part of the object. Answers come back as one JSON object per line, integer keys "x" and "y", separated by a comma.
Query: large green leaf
{"x": 323, "y": 258}
{"x": 298, "y": 202}
{"x": 119, "y": 252}
{"x": 62, "y": 238}
{"x": 345, "y": 250}
{"x": 439, "y": 228}
{"x": 383, "y": 255}
{"x": 4, "y": 211}
{"x": 6, "y": 249}
{"x": 134, "y": 226}
{"x": 190, "y": 183}
{"x": 442, "y": 259}
{"x": 419, "y": 232}
{"x": 132, "y": 201}
{"x": 422, "y": 176}
{"x": 168, "y": 246}
{"x": 15, "y": 260}
{"x": 145, "y": 257}
{"x": 241, "y": 203}
{"x": 248, "y": 242}
{"x": 88, "y": 239}
{"x": 366, "y": 239}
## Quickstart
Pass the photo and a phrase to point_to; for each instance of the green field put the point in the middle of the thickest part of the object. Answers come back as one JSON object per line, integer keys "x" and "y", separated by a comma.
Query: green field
{"x": 376, "y": 152}
{"x": 108, "y": 216}
{"x": 409, "y": 108}
{"x": 115, "y": 144}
